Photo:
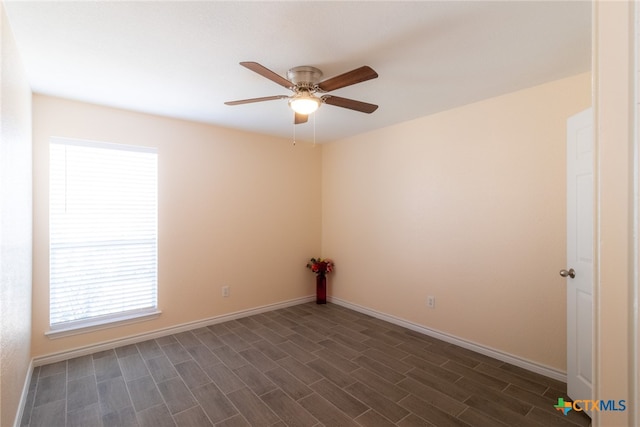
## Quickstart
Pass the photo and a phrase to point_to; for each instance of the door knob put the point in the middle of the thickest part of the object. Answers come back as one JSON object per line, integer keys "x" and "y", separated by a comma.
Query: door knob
{"x": 571, "y": 273}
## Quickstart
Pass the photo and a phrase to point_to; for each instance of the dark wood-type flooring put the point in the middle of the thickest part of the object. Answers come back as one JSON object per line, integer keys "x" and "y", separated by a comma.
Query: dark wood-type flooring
{"x": 307, "y": 365}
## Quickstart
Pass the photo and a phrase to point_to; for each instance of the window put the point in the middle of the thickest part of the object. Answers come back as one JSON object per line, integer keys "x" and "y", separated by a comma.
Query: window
{"x": 103, "y": 233}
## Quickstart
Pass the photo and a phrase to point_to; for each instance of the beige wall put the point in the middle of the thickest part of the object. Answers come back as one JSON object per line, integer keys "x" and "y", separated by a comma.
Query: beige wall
{"x": 468, "y": 206}
{"x": 235, "y": 209}
{"x": 613, "y": 76}
{"x": 15, "y": 225}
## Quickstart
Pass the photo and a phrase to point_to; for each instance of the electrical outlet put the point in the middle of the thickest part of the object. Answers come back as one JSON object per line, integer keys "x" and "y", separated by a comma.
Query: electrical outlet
{"x": 225, "y": 291}
{"x": 431, "y": 301}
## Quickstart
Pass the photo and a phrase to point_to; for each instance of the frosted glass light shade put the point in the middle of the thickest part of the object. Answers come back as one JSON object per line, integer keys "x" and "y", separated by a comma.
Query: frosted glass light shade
{"x": 304, "y": 103}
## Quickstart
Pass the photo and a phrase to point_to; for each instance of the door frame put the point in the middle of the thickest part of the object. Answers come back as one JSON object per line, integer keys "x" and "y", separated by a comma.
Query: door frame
{"x": 615, "y": 57}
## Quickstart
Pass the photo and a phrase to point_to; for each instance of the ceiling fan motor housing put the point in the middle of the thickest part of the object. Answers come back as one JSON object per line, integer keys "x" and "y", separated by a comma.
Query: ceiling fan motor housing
{"x": 304, "y": 76}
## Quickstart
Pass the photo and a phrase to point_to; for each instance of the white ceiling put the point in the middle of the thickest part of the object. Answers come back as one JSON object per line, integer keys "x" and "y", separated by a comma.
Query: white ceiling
{"x": 180, "y": 59}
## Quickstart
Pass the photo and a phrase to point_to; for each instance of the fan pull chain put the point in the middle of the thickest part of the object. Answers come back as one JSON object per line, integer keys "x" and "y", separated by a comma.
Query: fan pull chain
{"x": 314, "y": 131}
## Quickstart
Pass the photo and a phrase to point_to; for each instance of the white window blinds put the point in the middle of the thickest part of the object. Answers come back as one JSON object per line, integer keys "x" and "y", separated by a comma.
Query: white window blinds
{"x": 103, "y": 232}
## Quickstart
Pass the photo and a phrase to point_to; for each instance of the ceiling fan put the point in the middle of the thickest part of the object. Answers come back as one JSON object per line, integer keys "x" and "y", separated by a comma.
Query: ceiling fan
{"x": 305, "y": 82}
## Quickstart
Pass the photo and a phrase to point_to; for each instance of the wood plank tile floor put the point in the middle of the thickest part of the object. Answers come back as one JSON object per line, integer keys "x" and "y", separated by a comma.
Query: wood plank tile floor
{"x": 307, "y": 365}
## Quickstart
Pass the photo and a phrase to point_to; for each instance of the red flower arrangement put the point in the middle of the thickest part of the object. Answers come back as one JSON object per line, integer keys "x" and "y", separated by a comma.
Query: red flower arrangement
{"x": 320, "y": 265}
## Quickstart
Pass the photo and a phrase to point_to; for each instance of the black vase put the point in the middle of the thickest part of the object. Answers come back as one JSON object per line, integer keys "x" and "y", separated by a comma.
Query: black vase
{"x": 321, "y": 288}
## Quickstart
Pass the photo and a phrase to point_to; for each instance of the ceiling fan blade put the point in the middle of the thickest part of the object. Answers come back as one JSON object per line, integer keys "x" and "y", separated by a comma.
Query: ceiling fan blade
{"x": 299, "y": 118}
{"x": 249, "y": 101}
{"x": 349, "y": 78}
{"x": 267, "y": 73}
{"x": 351, "y": 104}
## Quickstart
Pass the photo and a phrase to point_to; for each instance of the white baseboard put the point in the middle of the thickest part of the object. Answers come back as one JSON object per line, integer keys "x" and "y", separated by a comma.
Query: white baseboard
{"x": 133, "y": 339}
{"x": 478, "y": 348}
{"x": 24, "y": 396}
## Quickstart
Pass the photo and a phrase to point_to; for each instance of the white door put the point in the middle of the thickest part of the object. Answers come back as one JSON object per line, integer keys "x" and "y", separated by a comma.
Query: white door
{"x": 579, "y": 269}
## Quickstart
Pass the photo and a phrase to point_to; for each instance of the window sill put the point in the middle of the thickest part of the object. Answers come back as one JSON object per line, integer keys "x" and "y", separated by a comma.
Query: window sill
{"x": 96, "y": 325}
